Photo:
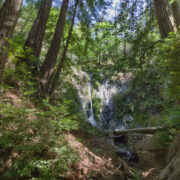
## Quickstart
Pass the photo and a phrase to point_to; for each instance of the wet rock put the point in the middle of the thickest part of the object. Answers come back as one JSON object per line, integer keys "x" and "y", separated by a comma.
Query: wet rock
{"x": 127, "y": 118}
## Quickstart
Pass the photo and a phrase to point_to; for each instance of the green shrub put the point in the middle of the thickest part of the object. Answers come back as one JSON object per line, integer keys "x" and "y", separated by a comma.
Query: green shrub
{"x": 96, "y": 107}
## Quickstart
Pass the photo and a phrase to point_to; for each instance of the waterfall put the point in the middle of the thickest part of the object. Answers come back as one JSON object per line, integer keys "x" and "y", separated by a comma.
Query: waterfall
{"x": 104, "y": 92}
{"x": 91, "y": 117}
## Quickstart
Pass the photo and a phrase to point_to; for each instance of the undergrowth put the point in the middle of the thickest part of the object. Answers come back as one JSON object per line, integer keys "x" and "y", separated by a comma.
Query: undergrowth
{"x": 32, "y": 145}
{"x": 169, "y": 55}
{"x": 31, "y": 141}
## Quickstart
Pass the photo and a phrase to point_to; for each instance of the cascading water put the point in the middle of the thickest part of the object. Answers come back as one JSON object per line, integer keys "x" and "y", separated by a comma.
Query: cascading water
{"x": 107, "y": 117}
{"x": 91, "y": 117}
{"x": 105, "y": 93}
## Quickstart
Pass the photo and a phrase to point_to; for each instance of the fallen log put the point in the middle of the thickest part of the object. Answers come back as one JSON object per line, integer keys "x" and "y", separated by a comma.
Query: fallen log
{"x": 138, "y": 130}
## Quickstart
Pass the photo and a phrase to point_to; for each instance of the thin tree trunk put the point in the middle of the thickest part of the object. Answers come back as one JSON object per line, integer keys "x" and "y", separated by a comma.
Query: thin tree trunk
{"x": 51, "y": 56}
{"x": 8, "y": 19}
{"x": 63, "y": 57}
{"x": 176, "y": 12}
{"x": 35, "y": 37}
{"x": 164, "y": 17}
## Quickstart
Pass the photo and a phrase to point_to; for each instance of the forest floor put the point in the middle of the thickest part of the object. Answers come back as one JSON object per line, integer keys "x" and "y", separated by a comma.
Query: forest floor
{"x": 98, "y": 160}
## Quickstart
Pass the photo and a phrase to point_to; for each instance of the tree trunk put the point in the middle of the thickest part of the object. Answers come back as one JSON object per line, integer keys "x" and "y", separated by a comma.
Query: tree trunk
{"x": 51, "y": 56}
{"x": 164, "y": 17}
{"x": 35, "y": 37}
{"x": 8, "y": 18}
{"x": 63, "y": 57}
{"x": 176, "y": 12}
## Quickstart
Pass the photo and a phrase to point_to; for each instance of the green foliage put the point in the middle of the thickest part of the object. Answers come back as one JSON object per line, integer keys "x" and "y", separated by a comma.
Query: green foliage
{"x": 140, "y": 119}
{"x": 96, "y": 107}
{"x": 26, "y": 19}
{"x": 31, "y": 140}
{"x": 122, "y": 104}
{"x": 143, "y": 101}
{"x": 169, "y": 55}
{"x": 135, "y": 175}
{"x": 171, "y": 124}
{"x": 49, "y": 32}
{"x": 19, "y": 72}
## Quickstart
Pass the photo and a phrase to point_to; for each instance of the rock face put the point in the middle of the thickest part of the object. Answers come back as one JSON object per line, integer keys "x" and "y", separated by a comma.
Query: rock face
{"x": 104, "y": 115}
{"x": 172, "y": 170}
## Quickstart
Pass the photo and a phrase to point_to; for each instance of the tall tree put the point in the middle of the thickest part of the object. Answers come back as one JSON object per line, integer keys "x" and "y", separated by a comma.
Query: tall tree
{"x": 8, "y": 18}
{"x": 35, "y": 37}
{"x": 63, "y": 57}
{"x": 51, "y": 56}
{"x": 165, "y": 18}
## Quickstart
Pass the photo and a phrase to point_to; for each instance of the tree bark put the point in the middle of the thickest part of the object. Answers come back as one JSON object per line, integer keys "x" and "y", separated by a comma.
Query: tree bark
{"x": 63, "y": 57}
{"x": 35, "y": 37}
{"x": 164, "y": 17}
{"x": 8, "y": 19}
{"x": 176, "y": 12}
{"x": 51, "y": 56}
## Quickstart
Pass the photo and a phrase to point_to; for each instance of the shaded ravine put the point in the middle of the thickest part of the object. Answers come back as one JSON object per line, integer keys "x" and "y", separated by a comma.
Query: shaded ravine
{"x": 108, "y": 119}
{"x": 108, "y": 122}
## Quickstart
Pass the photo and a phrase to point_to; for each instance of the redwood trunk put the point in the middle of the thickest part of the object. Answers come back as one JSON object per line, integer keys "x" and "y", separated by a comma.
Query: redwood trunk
{"x": 164, "y": 17}
{"x": 63, "y": 57}
{"x": 51, "y": 56}
{"x": 8, "y": 19}
{"x": 35, "y": 37}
